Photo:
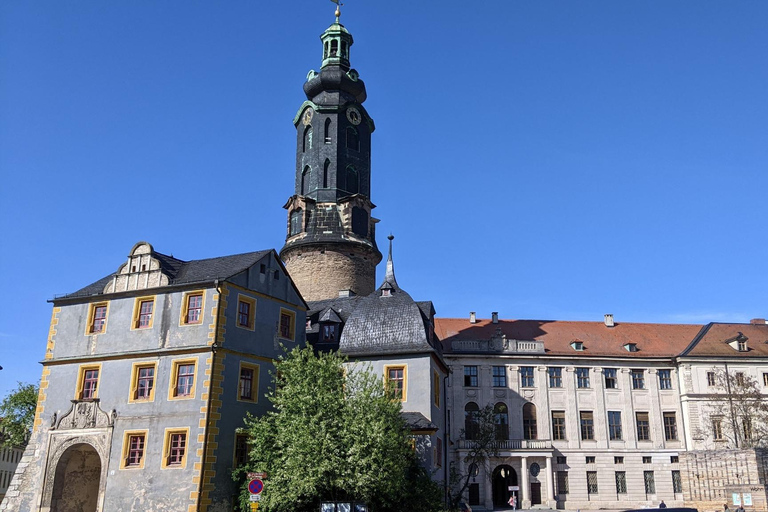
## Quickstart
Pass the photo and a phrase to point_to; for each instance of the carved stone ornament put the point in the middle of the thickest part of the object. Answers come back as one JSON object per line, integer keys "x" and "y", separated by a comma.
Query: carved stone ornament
{"x": 84, "y": 414}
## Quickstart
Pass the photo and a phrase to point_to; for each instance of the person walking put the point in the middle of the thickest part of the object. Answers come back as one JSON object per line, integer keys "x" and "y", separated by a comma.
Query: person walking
{"x": 725, "y": 508}
{"x": 740, "y": 509}
{"x": 662, "y": 504}
{"x": 513, "y": 502}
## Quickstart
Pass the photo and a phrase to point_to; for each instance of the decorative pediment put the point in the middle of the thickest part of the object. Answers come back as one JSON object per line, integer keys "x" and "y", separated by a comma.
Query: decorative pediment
{"x": 142, "y": 270}
{"x": 84, "y": 414}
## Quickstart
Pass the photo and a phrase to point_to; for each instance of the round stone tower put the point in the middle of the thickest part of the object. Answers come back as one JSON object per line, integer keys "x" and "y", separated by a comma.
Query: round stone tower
{"x": 330, "y": 247}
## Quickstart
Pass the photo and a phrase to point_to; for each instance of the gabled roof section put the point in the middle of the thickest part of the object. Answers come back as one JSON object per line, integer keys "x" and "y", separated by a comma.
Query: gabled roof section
{"x": 329, "y": 315}
{"x": 652, "y": 340}
{"x": 147, "y": 268}
{"x": 715, "y": 338}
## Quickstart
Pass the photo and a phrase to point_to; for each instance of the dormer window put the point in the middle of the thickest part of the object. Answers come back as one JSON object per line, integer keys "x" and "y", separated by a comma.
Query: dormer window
{"x": 630, "y": 347}
{"x": 329, "y": 333}
{"x": 386, "y": 292}
{"x": 742, "y": 345}
{"x": 577, "y": 345}
{"x": 739, "y": 342}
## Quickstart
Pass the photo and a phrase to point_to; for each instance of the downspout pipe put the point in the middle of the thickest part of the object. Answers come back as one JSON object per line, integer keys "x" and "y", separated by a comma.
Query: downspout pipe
{"x": 214, "y": 346}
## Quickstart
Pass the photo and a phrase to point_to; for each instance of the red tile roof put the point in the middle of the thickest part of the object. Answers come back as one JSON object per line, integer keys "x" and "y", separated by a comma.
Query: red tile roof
{"x": 652, "y": 340}
{"x": 713, "y": 341}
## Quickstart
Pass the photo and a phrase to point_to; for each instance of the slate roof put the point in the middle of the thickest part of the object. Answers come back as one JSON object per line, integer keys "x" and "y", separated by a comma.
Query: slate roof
{"x": 186, "y": 272}
{"x": 417, "y": 421}
{"x": 388, "y": 321}
{"x": 652, "y": 340}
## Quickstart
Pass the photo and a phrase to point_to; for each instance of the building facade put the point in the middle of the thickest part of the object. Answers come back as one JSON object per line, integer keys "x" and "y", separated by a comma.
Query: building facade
{"x": 9, "y": 460}
{"x": 148, "y": 374}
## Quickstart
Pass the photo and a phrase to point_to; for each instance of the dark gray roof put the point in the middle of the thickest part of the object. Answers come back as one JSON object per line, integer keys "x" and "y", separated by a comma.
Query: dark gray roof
{"x": 417, "y": 421}
{"x": 388, "y": 321}
{"x": 182, "y": 272}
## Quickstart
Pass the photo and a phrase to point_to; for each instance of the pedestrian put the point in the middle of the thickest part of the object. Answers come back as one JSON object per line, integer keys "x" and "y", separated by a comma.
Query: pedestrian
{"x": 740, "y": 509}
{"x": 662, "y": 504}
{"x": 513, "y": 502}
{"x": 725, "y": 508}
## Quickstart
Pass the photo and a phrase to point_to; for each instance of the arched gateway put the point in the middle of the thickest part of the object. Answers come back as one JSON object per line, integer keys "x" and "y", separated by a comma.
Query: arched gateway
{"x": 76, "y": 480}
{"x": 504, "y": 477}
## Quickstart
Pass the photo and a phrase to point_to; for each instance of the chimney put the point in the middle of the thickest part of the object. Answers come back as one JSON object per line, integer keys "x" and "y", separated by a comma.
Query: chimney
{"x": 758, "y": 321}
{"x": 472, "y": 317}
{"x": 609, "y": 320}
{"x": 495, "y": 317}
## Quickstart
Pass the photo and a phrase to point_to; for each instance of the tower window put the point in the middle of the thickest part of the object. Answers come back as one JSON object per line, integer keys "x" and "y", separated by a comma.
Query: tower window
{"x": 353, "y": 185}
{"x": 306, "y": 176}
{"x": 326, "y": 166}
{"x": 359, "y": 221}
{"x": 353, "y": 139}
{"x": 334, "y": 47}
{"x": 327, "y": 133}
{"x": 325, "y": 50}
{"x": 344, "y": 49}
{"x": 296, "y": 222}
{"x": 307, "y": 138}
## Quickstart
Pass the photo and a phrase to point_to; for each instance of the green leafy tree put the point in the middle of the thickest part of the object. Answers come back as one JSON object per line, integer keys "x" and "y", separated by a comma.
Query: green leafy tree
{"x": 334, "y": 434}
{"x": 17, "y": 415}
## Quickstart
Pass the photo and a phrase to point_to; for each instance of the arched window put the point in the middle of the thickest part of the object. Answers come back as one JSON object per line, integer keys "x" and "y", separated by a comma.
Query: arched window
{"x": 353, "y": 183}
{"x": 334, "y": 48}
{"x": 471, "y": 427}
{"x": 296, "y": 222}
{"x": 326, "y": 167}
{"x": 353, "y": 139}
{"x": 327, "y": 133}
{"x": 325, "y": 50}
{"x": 501, "y": 419}
{"x": 307, "y": 138}
{"x": 306, "y": 177}
{"x": 529, "y": 421}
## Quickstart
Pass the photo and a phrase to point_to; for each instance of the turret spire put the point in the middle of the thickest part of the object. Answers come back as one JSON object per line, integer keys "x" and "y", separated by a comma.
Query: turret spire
{"x": 389, "y": 278}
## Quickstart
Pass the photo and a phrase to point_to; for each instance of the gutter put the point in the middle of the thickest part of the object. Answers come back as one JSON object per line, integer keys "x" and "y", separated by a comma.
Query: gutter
{"x": 210, "y": 397}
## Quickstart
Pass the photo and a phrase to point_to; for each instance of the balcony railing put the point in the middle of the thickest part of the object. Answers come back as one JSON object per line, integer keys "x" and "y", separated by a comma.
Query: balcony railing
{"x": 511, "y": 444}
{"x": 498, "y": 345}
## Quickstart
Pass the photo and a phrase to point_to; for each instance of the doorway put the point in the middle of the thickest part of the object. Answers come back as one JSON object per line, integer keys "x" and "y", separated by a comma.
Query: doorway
{"x": 504, "y": 477}
{"x": 76, "y": 480}
{"x": 535, "y": 493}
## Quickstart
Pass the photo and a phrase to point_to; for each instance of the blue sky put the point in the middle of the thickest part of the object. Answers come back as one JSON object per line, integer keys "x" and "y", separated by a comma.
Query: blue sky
{"x": 547, "y": 159}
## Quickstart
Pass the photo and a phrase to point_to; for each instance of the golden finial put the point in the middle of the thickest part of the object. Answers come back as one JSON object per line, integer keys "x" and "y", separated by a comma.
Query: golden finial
{"x": 338, "y": 9}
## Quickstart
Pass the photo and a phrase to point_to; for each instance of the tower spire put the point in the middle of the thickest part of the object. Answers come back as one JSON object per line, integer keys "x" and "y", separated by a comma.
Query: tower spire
{"x": 389, "y": 277}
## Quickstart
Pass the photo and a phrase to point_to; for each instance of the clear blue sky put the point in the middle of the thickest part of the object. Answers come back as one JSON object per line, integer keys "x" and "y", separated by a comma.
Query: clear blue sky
{"x": 544, "y": 159}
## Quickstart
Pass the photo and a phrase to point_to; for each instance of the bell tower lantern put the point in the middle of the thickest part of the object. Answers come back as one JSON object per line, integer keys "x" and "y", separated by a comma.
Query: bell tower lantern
{"x": 330, "y": 244}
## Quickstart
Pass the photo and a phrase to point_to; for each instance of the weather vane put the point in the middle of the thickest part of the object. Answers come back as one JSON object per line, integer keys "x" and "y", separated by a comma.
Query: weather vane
{"x": 338, "y": 8}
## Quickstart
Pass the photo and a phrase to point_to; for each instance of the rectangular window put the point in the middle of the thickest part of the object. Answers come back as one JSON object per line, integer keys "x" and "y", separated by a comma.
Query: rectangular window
{"x": 647, "y": 460}
{"x": 396, "y": 376}
{"x": 765, "y": 379}
{"x": 711, "y": 379}
{"x": 717, "y": 429}
{"x": 175, "y": 453}
{"x": 674, "y": 459}
{"x": 436, "y": 385}
{"x": 739, "y": 378}
{"x": 246, "y": 383}
{"x": 592, "y": 482}
{"x": 558, "y": 425}
{"x": 143, "y": 382}
{"x": 621, "y": 482}
{"x": 677, "y": 483}
{"x": 499, "y": 376}
{"x": 287, "y": 323}
{"x": 243, "y": 314}
{"x": 670, "y": 426}
{"x": 614, "y": 425}
{"x": 143, "y": 313}
{"x": 90, "y": 384}
{"x": 562, "y": 482}
{"x": 241, "y": 449}
{"x": 329, "y": 333}
{"x": 665, "y": 379}
{"x": 555, "y": 377}
{"x": 182, "y": 379}
{"x": 590, "y": 459}
{"x": 193, "y": 309}
{"x": 97, "y": 318}
{"x": 562, "y": 460}
{"x": 587, "y": 426}
{"x": 474, "y": 494}
{"x": 638, "y": 379}
{"x": 618, "y": 460}
{"x": 134, "y": 449}
{"x": 650, "y": 483}
{"x": 611, "y": 382}
{"x": 526, "y": 376}
{"x": 582, "y": 377}
{"x": 643, "y": 426}
{"x": 470, "y": 376}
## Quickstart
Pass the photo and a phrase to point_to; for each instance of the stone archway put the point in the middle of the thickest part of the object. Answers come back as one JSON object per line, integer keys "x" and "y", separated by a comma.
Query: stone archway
{"x": 77, "y": 480}
{"x": 504, "y": 477}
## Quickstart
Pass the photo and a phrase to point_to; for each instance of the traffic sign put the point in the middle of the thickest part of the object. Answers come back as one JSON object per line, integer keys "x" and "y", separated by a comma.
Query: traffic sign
{"x": 255, "y": 486}
{"x": 255, "y": 497}
{"x": 257, "y": 474}
{"x": 254, "y": 507}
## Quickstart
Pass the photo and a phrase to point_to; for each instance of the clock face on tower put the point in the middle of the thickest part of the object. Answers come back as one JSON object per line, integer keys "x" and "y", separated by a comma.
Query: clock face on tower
{"x": 307, "y": 119}
{"x": 354, "y": 116}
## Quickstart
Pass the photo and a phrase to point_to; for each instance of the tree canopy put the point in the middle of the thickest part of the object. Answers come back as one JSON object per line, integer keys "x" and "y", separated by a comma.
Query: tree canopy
{"x": 334, "y": 434}
{"x": 17, "y": 415}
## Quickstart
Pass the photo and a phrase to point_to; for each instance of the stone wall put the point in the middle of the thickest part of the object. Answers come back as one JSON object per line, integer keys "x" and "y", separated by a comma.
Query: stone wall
{"x": 320, "y": 272}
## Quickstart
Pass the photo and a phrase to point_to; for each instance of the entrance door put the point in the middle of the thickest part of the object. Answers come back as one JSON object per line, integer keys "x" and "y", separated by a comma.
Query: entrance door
{"x": 504, "y": 477}
{"x": 76, "y": 480}
{"x": 535, "y": 493}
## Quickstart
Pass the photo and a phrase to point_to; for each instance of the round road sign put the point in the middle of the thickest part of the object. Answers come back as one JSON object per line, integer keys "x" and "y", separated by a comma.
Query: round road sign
{"x": 255, "y": 486}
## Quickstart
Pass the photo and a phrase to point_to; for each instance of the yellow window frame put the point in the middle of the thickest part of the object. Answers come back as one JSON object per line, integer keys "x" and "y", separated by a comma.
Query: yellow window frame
{"x": 81, "y": 375}
{"x": 137, "y": 312}
{"x": 254, "y": 385}
{"x": 436, "y": 384}
{"x": 251, "y": 312}
{"x": 127, "y": 448}
{"x": 135, "y": 367}
{"x": 403, "y": 367}
{"x": 91, "y": 313}
{"x": 292, "y": 327}
{"x": 175, "y": 364}
{"x": 185, "y": 307}
{"x": 169, "y": 432}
